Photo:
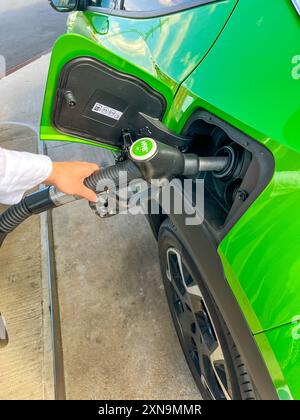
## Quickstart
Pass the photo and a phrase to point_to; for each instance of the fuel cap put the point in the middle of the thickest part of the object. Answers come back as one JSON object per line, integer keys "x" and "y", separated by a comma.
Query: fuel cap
{"x": 143, "y": 149}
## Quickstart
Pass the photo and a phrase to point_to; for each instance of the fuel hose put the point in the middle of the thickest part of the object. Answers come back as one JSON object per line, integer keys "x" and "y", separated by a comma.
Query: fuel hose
{"x": 148, "y": 159}
{"x": 120, "y": 174}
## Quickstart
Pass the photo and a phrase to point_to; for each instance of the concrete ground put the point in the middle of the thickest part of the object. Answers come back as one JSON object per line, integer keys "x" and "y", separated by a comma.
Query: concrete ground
{"x": 26, "y": 363}
{"x": 28, "y": 28}
{"x": 118, "y": 337}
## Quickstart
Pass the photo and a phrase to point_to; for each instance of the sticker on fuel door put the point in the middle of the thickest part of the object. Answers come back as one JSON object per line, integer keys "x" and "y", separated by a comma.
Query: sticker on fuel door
{"x": 143, "y": 149}
{"x": 107, "y": 111}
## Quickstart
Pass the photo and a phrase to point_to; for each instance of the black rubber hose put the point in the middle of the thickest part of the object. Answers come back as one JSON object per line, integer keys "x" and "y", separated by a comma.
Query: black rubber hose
{"x": 14, "y": 216}
{"x": 120, "y": 174}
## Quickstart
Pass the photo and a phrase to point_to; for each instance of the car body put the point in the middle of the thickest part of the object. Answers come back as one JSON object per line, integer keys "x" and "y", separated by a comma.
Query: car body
{"x": 234, "y": 66}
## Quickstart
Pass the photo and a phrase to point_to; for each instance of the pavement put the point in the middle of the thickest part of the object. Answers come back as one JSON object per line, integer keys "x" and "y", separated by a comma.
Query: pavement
{"x": 117, "y": 334}
{"x": 26, "y": 363}
{"x": 28, "y": 28}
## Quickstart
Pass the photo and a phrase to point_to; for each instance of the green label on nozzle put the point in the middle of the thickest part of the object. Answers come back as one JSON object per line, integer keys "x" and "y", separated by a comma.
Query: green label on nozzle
{"x": 143, "y": 149}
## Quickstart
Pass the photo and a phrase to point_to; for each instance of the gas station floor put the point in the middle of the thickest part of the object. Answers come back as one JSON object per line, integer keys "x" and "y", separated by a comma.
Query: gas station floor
{"x": 26, "y": 363}
{"x": 118, "y": 340}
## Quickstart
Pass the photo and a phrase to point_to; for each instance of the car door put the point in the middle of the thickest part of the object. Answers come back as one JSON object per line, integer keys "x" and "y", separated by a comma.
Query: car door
{"x": 121, "y": 63}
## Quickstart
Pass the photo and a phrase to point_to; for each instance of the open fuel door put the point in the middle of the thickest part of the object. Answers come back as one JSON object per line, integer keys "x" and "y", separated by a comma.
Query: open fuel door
{"x": 111, "y": 73}
{"x": 97, "y": 102}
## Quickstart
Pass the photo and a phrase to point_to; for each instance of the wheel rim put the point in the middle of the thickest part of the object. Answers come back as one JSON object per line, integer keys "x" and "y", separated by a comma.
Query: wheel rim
{"x": 197, "y": 332}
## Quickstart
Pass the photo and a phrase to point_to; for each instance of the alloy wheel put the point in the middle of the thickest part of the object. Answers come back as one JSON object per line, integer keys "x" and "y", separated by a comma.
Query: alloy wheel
{"x": 196, "y": 329}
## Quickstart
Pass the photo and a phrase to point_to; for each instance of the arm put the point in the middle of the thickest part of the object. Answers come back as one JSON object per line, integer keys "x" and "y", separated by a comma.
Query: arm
{"x": 21, "y": 171}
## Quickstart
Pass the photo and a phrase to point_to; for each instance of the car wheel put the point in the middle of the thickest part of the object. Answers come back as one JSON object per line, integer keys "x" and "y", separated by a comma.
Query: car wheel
{"x": 209, "y": 349}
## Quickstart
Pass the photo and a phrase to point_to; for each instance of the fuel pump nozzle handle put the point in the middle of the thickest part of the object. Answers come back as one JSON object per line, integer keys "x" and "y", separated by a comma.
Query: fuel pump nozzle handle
{"x": 49, "y": 198}
{"x": 148, "y": 159}
{"x": 158, "y": 160}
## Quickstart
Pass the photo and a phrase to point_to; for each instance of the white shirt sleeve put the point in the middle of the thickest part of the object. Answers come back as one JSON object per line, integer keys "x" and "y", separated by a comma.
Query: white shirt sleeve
{"x": 19, "y": 172}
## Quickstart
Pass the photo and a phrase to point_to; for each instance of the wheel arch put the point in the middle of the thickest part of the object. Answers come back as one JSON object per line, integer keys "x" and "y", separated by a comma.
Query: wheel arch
{"x": 202, "y": 244}
{"x": 202, "y": 249}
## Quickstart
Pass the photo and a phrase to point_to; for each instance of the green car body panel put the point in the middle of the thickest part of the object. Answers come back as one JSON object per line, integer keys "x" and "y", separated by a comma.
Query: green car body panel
{"x": 281, "y": 350}
{"x": 239, "y": 60}
{"x": 163, "y": 58}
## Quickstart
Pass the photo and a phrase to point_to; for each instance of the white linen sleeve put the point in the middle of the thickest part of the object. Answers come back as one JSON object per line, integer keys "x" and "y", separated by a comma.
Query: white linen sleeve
{"x": 19, "y": 172}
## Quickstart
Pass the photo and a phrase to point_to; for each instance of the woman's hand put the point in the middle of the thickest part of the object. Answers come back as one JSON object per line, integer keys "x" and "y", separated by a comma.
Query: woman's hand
{"x": 68, "y": 177}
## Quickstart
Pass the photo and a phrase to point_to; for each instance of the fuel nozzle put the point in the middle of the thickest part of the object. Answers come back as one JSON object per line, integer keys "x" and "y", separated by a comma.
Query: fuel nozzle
{"x": 158, "y": 160}
{"x": 149, "y": 159}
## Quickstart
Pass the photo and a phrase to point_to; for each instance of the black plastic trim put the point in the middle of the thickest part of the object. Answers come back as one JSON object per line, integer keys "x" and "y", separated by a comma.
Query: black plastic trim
{"x": 203, "y": 250}
{"x": 82, "y": 5}
{"x": 152, "y": 14}
{"x": 202, "y": 243}
{"x": 258, "y": 176}
{"x": 153, "y": 127}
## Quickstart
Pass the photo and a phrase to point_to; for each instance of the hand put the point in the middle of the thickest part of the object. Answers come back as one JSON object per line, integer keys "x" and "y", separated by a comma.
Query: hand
{"x": 68, "y": 177}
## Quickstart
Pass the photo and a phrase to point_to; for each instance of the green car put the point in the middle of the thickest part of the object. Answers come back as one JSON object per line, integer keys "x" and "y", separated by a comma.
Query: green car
{"x": 216, "y": 78}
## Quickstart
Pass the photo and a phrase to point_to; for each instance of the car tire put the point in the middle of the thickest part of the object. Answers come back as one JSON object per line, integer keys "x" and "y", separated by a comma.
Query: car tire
{"x": 211, "y": 354}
